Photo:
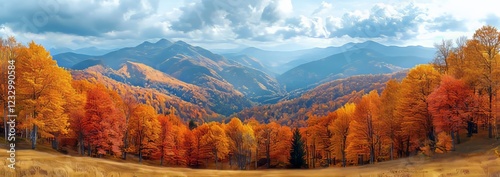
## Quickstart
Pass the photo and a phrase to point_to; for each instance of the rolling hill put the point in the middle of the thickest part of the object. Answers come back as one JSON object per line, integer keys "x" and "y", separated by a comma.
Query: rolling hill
{"x": 161, "y": 101}
{"x": 476, "y": 156}
{"x": 319, "y": 101}
{"x": 251, "y": 62}
{"x": 283, "y": 61}
{"x": 342, "y": 65}
{"x": 141, "y": 75}
{"x": 189, "y": 64}
{"x": 69, "y": 59}
{"x": 84, "y": 51}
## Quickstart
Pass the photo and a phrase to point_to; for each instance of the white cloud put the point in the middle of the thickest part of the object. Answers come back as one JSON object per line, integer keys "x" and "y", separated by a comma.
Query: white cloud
{"x": 266, "y": 23}
{"x": 325, "y": 6}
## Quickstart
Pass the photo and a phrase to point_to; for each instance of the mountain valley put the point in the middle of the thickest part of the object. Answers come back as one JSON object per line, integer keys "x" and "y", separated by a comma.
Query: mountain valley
{"x": 229, "y": 83}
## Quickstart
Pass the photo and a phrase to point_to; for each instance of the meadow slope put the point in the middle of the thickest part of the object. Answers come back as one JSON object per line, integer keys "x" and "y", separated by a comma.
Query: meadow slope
{"x": 474, "y": 157}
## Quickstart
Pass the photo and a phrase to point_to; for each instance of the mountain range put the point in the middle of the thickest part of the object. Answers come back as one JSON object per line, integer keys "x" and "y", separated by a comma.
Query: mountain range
{"x": 231, "y": 82}
{"x": 281, "y": 61}
{"x": 84, "y": 51}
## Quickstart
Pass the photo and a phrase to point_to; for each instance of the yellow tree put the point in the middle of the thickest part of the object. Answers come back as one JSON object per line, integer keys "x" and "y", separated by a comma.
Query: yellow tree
{"x": 9, "y": 49}
{"x": 249, "y": 144}
{"x": 144, "y": 131}
{"x": 365, "y": 127}
{"x": 241, "y": 141}
{"x": 340, "y": 130}
{"x": 312, "y": 140}
{"x": 457, "y": 63}
{"x": 473, "y": 77}
{"x": 77, "y": 116}
{"x": 416, "y": 123}
{"x": 275, "y": 142}
{"x": 258, "y": 130}
{"x": 178, "y": 138}
{"x": 319, "y": 138}
{"x": 464, "y": 65}
{"x": 44, "y": 89}
{"x": 217, "y": 141}
{"x": 202, "y": 148}
{"x": 263, "y": 135}
{"x": 325, "y": 135}
{"x": 483, "y": 50}
{"x": 389, "y": 119}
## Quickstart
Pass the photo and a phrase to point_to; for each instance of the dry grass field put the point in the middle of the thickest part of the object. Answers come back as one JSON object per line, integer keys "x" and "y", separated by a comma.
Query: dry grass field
{"x": 474, "y": 157}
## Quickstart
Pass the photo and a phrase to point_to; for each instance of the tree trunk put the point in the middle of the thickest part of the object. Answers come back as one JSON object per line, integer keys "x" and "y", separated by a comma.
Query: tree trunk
{"x": 34, "y": 136}
{"x": 55, "y": 143}
{"x": 408, "y": 147}
{"x": 82, "y": 145}
{"x": 163, "y": 156}
{"x": 215, "y": 150}
{"x": 314, "y": 153}
{"x": 140, "y": 155}
{"x": 379, "y": 150}
{"x": 198, "y": 160}
{"x": 452, "y": 140}
{"x": 372, "y": 154}
{"x": 230, "y": 161}
{"x": 490, "y": 127}
{"x": 392, "y": 150}
{"x": 458, "y": 137}
{"x": 140, "y": 148}
{"x": 125, "y": 145}
{"x": 401, "y": 148}
{"x": 268, "y": 149}
{"x": 344, "y": 139}
{"x": 90, "y": 149}
{"x": 256, "y": 155}
{"x": 249, "y": 160}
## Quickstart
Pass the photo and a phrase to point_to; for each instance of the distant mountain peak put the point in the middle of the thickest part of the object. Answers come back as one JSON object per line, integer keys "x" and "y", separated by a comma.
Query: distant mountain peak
{"x": 250, "y": 50}
{"x": 163, "y": 42}
{"x": 92, "y": 48}
{"x": 370, "y": 42}
{"x": 181, "y": 42}
{"x": 367, "y": 44}
{"x": 145, "y": 43}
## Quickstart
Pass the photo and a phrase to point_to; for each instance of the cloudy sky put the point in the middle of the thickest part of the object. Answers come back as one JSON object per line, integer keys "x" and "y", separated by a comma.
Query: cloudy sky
{"x": 225, "y": 24}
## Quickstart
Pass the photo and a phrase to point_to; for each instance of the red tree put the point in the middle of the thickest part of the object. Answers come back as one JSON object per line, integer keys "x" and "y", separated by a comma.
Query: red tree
{"x": 102, "y": 123}
{"x": 165, "y": 137}
{"x": 449, "y": 104}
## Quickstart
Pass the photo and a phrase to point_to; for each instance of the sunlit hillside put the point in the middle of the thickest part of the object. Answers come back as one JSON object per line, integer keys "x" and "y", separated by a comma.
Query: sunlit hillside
{"x": 476, "y": 156}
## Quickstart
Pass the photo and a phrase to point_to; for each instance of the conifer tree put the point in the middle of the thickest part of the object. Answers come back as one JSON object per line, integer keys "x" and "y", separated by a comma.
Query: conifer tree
{"x": 297, "y": 152}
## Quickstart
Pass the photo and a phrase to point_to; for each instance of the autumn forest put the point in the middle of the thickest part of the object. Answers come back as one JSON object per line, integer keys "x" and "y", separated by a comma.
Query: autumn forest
{"x": 371, "y": 118}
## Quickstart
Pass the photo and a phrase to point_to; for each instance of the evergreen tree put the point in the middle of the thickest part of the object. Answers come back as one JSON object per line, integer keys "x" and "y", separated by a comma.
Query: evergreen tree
{"x": 192, "y": 124}
{"x": 297, "y": 152}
